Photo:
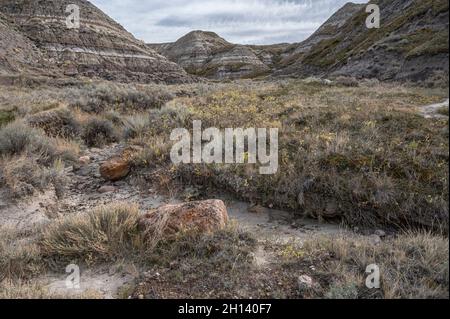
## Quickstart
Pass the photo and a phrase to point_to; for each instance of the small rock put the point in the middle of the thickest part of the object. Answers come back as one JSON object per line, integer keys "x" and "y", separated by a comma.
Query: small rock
{"x": 380, "y": 233}
{"x": 141, "y": 297}
{"x": 107, "y": 189}
{"x": 84, "y": 160}
{"x": 375, "y": 240}
{"x": 82, "y": 171}
{"x": 95, "y": 150}
{"x": 115, "y": 169}
{"x": 305, "y": 282}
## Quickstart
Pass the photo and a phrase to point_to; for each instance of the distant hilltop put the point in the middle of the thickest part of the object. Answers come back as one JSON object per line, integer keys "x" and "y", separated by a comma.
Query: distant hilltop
{"x": 411, "y": 45}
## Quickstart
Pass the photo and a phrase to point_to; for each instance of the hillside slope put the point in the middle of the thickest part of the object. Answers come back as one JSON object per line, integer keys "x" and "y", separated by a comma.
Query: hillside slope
{"x": 207, "y": 54}
{"x": 17, "y": 53}
{"x": 412, "y": 43}
{"x": 101, "y": 47}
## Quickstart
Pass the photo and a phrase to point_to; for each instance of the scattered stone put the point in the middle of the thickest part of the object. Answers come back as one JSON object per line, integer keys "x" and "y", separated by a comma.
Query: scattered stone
{"x": 375, "y": 240}
{"x": 107, "y": 189}
{"x": 305, "y": 282}
{"x": 84, "y": 160}
{"x": 81, "y": 186}
{"x": 96, "y": 150}
{"x": 82, "y": 171}
{"x": 115, "y": 169}
{"x": 131, "y": 152}
{"x": 202, "y": 216}
{"x": 380, "y": 233}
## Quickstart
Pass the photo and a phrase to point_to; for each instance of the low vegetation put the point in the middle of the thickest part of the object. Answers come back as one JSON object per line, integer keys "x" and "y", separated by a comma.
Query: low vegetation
{"x": 361, "y": 155}
{"x": 106, "y": 234}
{"x": 351, "y": 152}
{"x": 193, "y": 265}
{"x": 411, "y": 266}
{"x": 357, "y": 152}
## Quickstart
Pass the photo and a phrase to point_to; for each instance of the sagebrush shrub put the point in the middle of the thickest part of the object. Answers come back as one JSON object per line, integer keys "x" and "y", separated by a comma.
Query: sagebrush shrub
{"x": 57, "y": 123}
{"x": 15, "y": 137}
{"x": 98, "y": 132}
{"x": 23, "y": 176}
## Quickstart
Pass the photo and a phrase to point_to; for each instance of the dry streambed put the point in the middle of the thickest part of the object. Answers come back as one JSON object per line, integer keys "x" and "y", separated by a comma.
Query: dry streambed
{"x": 87, "y": 189}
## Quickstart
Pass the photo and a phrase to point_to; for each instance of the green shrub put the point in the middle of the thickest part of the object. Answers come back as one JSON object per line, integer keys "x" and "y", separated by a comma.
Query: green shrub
{"x": 6, "y": 117}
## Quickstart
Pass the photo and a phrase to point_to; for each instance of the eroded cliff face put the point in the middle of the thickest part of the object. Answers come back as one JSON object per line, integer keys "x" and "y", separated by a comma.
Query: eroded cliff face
{"x": 17, "y": 53}
{"x": 100, "y": 47}
{"x": 206, "y": 54}
{"x": 412, "y": 43}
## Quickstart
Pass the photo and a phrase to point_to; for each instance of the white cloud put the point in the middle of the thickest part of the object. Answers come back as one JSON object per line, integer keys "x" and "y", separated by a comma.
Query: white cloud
{"x": 238, "y": 21}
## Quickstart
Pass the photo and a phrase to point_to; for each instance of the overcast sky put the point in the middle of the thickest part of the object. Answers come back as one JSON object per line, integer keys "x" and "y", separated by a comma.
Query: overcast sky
{"x": 238, "y": 21}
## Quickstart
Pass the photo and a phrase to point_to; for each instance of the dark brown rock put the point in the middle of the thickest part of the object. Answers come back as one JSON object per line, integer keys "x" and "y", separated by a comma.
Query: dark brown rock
{"x": 115, "y": 169}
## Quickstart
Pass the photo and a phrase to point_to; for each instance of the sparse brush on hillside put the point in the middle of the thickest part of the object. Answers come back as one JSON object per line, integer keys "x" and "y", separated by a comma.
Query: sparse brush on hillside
{"x": 99, "y": 98}
{"x": 411, "y": 266}
{"x": 18, "y": 138}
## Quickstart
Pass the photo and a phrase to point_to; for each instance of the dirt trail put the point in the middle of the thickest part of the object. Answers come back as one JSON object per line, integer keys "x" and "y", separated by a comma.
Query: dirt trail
{"x": 82, "y": 194}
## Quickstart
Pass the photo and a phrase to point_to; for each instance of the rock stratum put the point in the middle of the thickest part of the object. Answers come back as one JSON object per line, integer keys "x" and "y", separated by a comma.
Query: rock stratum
{"x": 412, "y": 45}
{"x": 99, "y": 48}
{"x": 17, "y": 52}
{"x": 208, "y": 55}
